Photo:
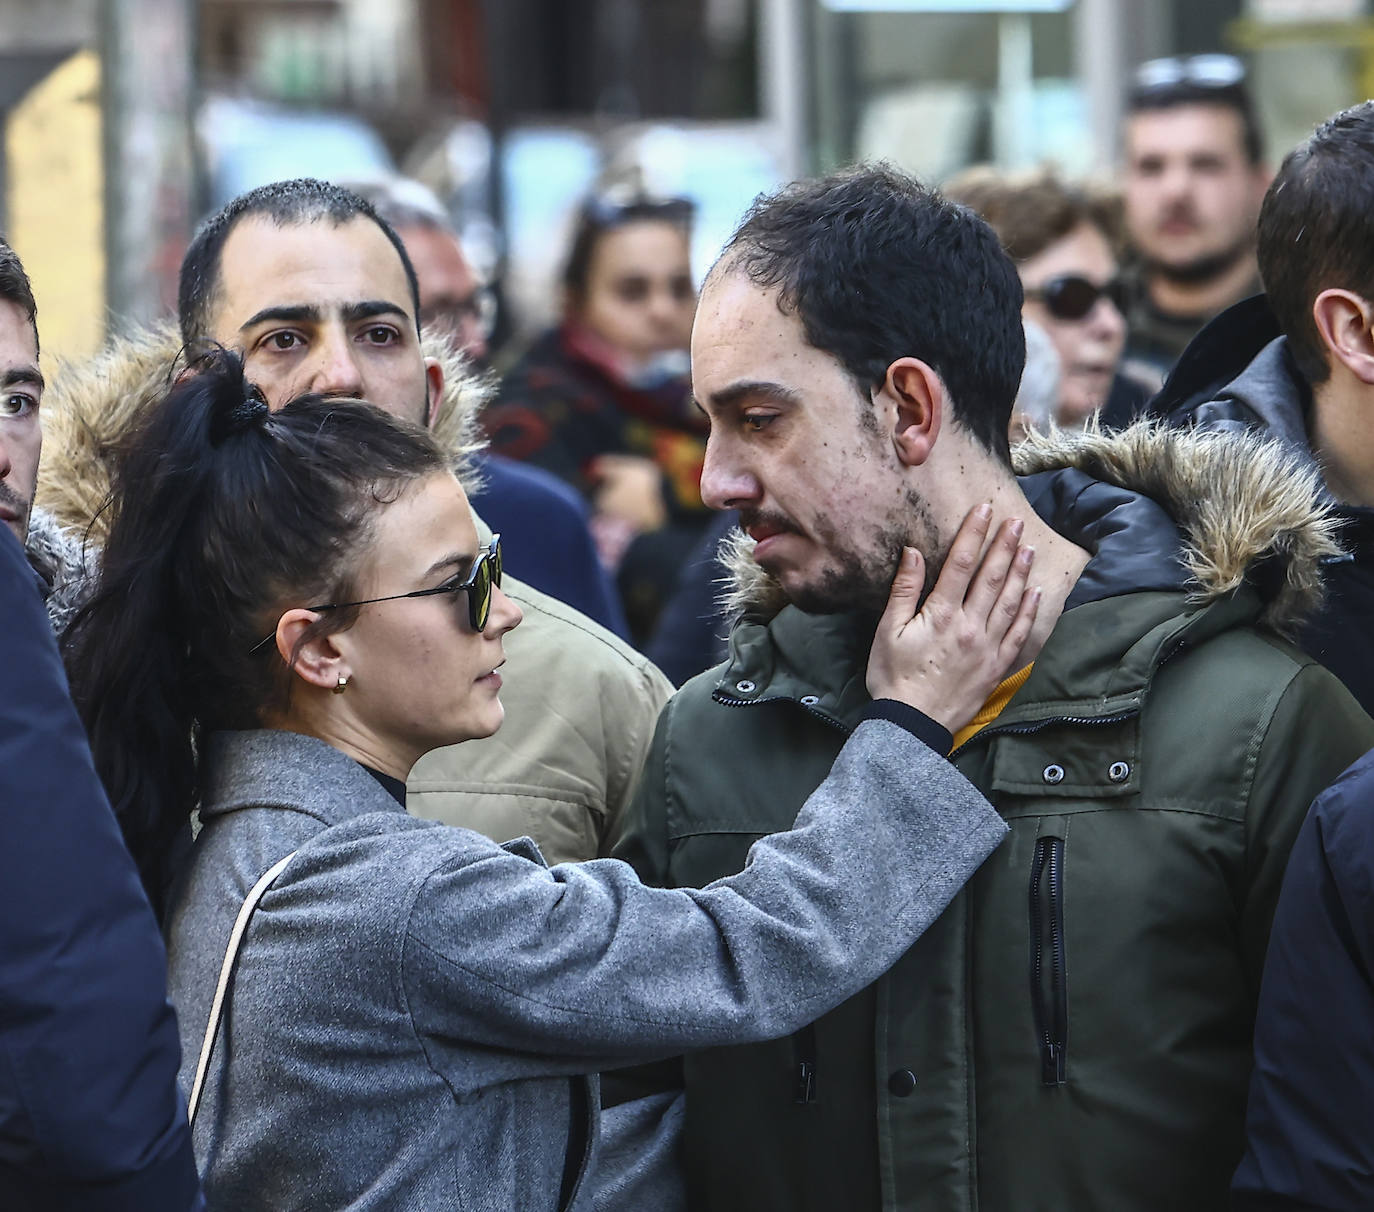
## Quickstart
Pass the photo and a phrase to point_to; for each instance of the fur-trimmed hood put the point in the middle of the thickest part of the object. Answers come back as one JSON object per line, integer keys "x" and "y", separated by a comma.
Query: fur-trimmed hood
{"x": 58, "y": 558}
{"x": 1241, "y": 503}
{"x": 92, "y": 407}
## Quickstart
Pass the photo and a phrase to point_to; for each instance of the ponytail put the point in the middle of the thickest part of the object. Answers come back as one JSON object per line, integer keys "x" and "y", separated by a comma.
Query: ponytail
{"x": 223, "y": 515}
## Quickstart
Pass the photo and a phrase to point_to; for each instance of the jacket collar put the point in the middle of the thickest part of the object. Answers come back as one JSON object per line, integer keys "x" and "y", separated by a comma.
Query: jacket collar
{"x": 820, "y": 660}
{"x": 269, "y": 768}
{"x": 1247, "y": 509}
{"x": 1133, "y": 544}
{"x": 58, "y": 560}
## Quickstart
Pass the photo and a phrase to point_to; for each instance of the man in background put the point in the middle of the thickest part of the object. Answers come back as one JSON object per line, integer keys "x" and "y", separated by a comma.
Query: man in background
{"x": 90, "y": 1117}
{"x": 1298, "y": 365}
{"x": 1194, "y": 178}
{"x": 54, "y": 556}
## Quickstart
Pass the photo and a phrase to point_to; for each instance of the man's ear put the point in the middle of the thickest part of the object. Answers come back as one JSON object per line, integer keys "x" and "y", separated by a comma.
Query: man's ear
{"x": 319, "y": 661}
{"x": 1345, "y": 323}
{"x": 434, "y": 390}
{"x": 915, "y": 399}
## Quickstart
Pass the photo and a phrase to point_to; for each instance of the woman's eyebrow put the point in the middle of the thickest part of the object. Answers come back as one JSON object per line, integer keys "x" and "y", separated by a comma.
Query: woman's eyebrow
{"x": 456, "y": 560}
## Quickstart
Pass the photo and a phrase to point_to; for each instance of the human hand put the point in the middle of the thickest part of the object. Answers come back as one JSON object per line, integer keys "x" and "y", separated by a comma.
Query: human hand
{"x": 948, "y": 657}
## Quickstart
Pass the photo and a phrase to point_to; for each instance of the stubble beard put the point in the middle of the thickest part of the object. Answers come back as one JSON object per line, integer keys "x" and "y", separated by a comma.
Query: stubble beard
{"x": 20, "y": 506}
{"x": 862, "y": 580}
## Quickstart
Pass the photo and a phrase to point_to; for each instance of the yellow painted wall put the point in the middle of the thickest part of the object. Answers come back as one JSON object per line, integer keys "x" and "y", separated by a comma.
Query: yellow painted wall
{"x": 55, "y": 205}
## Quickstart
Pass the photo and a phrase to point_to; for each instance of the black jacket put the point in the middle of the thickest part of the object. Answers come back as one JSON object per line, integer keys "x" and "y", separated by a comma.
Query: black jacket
{"x": 1238, "y": 375}
{"x": 90, "y": 1117}
{"x": 1309, "y": 1140}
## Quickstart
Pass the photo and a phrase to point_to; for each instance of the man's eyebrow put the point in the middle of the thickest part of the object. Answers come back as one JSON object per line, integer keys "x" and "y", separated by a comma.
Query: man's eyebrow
{"x": 750, "y": 389}
{"x": 368, "y": 308}
{"x": 291, "y": 313}
{"x": 22, "y": 374}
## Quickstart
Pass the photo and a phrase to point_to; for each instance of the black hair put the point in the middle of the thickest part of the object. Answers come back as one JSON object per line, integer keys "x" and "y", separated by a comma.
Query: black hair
{"x": 1235, "y": 97}
{"x": 1316, "y": 229}
{"x": 599, "y": 215}
{"x": 878, "y": 267}
{"x": 222, "y": 517}
{"x": 15, "y": 287}
{"x": 287, "y": 204}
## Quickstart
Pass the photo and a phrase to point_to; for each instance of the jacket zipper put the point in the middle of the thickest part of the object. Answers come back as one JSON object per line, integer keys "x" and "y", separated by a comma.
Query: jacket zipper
{"x": 1048, "y": 975}
{"x": 1046, "y": 916}
{"x": 1039, "y": 725}
{"x": 803, "y": 1041}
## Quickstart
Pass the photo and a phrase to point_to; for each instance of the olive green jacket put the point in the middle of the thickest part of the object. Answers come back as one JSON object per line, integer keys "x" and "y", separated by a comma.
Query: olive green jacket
{"x": 1074, "y": 1031}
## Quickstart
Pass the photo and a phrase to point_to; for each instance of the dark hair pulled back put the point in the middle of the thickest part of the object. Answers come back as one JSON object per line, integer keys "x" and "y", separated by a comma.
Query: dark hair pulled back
{"x": 223, "y": 515}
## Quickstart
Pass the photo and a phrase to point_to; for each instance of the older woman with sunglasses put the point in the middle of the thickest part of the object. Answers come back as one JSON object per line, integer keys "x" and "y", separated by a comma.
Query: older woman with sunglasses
{"x": 383, "y": 1012}
{"x": 1061, "y": 239}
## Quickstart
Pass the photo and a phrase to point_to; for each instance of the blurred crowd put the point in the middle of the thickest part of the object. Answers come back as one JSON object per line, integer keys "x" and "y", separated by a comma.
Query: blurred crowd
{"x": 884, "y": 726}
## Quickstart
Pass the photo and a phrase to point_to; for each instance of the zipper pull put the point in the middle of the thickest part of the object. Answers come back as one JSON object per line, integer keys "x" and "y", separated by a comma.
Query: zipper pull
{"x": 804, "y": 1055}
{"x": 1052, "y": 1070}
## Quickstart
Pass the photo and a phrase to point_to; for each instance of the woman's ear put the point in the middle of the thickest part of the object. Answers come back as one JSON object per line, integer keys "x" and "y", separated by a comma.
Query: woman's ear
{"x": 319, "y": 661}
{"x": 915, "y": 399}
{"x": 1345, "y": 323}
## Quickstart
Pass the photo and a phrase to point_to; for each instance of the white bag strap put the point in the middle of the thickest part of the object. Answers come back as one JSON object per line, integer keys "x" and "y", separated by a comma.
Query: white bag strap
{"x": 250, "y": 903}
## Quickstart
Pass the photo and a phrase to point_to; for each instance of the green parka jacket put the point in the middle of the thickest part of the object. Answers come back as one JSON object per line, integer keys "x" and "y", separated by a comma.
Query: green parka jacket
{"x": 1074, "y": 1032}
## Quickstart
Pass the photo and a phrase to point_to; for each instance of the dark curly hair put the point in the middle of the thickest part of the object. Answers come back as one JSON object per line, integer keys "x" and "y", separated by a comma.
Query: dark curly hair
{"x": 878, "y": 267}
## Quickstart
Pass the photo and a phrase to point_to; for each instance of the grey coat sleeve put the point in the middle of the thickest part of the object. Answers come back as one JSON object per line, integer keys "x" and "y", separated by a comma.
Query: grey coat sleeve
{"x": 581, "y": 967}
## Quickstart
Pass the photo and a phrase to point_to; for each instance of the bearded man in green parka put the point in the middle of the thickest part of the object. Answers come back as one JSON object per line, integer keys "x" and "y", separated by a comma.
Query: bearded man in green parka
{"x": 1075, "y": 1030}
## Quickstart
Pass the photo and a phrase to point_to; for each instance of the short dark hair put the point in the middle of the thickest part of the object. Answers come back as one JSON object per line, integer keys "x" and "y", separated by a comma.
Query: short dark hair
{"x": 285, "y": 203}
{"x": 604, "y": 213}
{"x": 1316, "y": 229}
{"x": 15, "y": 287}
{"x": 1235, "y": 97}
{"x": 878, "y": 267}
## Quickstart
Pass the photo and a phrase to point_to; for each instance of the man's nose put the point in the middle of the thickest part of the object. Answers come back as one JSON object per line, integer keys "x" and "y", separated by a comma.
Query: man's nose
{"x": 5, "y": 464}
{"x": 336, "y": 372}
{"x": 725, "y": 482}
{"x": 1176, "y": 181}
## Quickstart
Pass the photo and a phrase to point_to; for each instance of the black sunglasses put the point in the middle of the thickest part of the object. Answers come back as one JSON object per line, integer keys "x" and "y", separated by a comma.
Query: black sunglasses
{"x": 1072, "y": 296}
{"x": 478, "y": 584}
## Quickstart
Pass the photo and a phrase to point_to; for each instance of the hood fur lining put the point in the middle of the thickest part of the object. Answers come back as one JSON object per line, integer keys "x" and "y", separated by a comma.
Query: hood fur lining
{"x": 1242, "y": 501}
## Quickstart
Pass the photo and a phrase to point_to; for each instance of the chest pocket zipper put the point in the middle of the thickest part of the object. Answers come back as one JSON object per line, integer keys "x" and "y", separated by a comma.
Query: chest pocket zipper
{"x": 1048, "y": 974}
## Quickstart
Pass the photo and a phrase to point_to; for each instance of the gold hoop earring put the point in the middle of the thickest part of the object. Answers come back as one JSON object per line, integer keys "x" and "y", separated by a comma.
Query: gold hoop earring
{"x": 343, "y": 684}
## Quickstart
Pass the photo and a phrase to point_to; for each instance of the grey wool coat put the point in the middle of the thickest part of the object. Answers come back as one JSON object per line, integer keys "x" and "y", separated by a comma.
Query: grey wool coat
{"x": 417, "y": 1013}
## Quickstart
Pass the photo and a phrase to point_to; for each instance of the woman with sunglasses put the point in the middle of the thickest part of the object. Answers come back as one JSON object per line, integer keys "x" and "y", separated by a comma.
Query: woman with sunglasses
{"x": 603, "y": 399}
{"x": 1062, "y": 240}
{"x": 379, "y": 1011}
